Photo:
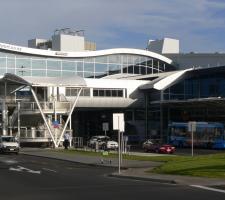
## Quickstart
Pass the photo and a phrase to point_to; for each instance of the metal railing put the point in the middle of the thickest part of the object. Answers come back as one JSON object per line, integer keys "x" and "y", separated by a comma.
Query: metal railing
{"x": 46, "y": 106}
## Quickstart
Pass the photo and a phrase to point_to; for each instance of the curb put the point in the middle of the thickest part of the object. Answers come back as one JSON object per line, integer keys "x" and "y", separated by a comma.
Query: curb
{"x": 143, "y": 179}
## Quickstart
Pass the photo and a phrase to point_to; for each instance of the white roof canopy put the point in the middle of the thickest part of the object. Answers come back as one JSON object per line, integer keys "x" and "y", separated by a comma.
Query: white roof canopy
{"x": 163, "y": 83}
{"x": 71, "y": 81}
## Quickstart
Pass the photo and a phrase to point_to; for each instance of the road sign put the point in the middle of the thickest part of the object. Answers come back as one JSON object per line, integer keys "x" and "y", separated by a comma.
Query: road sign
{"x": 192, "y": 126}
{"x": 118, "y": 121}
{"x": 192, "y": 129}
{"x": 105, "y": 126}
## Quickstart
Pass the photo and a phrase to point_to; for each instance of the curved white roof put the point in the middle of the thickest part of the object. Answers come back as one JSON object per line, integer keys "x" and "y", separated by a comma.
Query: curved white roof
{"x": 165, "y": 81}
{"x": 49, "y": 53}
{"x": 71, "y": 81}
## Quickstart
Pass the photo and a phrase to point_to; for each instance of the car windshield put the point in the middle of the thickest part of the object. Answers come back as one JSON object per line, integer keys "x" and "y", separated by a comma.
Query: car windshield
{"x": 8, "y": 139}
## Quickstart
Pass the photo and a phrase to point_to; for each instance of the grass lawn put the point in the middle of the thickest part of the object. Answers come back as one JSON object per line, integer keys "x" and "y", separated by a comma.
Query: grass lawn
{"x": 212, "y": 165}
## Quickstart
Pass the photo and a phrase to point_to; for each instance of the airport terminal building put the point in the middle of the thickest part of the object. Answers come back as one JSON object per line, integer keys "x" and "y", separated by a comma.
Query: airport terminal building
{"x": 65, "y": 84}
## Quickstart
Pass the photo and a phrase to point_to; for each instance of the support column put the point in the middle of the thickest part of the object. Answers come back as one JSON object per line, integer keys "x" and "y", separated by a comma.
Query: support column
{"x": 4, "y": 118}
{"x": 18, "y": 125}
{"x": 146, "y": 115}
{"x": 161, "y": 116}
{"x": 4, "y": 112}
{"x": 69, "y": 116}
{"x": 43, "y": 116}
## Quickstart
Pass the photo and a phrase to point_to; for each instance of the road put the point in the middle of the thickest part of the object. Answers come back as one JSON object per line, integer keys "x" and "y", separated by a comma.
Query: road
{"x": 26, "y": 177}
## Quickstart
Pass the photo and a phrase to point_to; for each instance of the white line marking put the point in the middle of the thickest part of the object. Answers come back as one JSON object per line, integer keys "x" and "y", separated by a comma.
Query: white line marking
{"x": 51, "y": 170}
{"x": 8, "y": 162}
{"x": 23, "y": 169}
{"x": 208, "y": 188}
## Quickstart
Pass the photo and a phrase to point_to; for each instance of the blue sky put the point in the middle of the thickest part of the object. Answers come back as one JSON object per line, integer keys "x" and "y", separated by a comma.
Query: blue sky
{"x": 198, "y": 24}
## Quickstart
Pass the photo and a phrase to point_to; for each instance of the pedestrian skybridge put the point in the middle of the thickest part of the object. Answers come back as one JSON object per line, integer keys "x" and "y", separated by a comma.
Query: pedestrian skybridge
{"x": 46, "y": 99}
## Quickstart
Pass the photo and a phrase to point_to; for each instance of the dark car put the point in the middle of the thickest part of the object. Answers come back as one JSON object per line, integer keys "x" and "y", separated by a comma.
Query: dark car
{"x": 156, "y": 147}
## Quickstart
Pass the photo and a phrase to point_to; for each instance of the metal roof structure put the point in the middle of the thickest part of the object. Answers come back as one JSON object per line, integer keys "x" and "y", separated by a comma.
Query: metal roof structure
{"x": 71, "y": 81}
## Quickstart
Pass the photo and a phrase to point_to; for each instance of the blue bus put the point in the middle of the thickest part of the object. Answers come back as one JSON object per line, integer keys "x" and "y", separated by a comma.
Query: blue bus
{"x": 207, "y": 135}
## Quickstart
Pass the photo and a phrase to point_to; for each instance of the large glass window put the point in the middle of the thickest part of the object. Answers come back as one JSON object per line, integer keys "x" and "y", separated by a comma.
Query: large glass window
{"x": 11, "y": 63}
{"x": 38, "y": 72}
{"x": 89, "y": 67}
{"x": 80, "y": 66}
{"x": 100, "y": 67}
{"x": 23, "y": 63}
{"x": 88, "y": 74}
{"x": 23, "y": 72}
{"x": 38, "y": 64}
{"x": 115, "y": 58}
{"x": 74, "y": 92}
{"x": 53, "y": 73}
{"x": 114, "y": 69}
{"x": 101, "y": 59}
{"x": 2, "y": 62}
{"x": 197, "y": 87}
{"x": 108, "y": 92}
{"x": 53, "y": 64}
{"x": 95, "y": 67}
{"x": 68, "y": 65}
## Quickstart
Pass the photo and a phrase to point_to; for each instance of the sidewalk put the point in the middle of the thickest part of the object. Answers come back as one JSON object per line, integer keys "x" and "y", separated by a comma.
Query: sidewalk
{"x": 132, "y": 169}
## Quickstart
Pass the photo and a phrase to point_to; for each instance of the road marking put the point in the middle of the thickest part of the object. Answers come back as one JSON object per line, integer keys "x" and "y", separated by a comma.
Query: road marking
{"x": 23, "y": 169}
{"x": 208, "y": 188}
{"x": 8, "y": 161}
{"x": 51, "y": 170}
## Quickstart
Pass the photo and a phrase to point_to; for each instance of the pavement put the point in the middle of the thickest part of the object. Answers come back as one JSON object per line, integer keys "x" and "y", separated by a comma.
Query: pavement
{"x": 131, "y": 169}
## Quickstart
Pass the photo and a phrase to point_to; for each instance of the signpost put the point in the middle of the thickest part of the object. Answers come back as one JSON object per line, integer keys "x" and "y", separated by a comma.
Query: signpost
{"x": 105, "y": 127}
{"x": 192, "y": 129}
{"x": 118, "y": 124}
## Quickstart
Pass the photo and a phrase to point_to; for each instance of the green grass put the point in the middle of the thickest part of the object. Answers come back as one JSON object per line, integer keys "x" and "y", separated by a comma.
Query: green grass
{"x": 212, "y": 166}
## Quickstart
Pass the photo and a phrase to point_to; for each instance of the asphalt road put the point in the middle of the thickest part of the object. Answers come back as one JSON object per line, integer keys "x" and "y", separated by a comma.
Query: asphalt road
{"x": 30, "y": 178}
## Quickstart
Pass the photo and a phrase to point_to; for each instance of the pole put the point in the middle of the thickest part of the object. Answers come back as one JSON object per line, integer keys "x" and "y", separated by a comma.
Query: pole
{"x": 18, "y": 120}
{"x": 119, "y": 159}
{"x": 122, "y": 148}
{"x": 192, "y": 142}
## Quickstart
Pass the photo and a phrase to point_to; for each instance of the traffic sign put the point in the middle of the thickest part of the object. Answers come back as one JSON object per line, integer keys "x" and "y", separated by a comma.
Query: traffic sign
{"x": 118, "y": 122}
{"x": 105, "y": 126}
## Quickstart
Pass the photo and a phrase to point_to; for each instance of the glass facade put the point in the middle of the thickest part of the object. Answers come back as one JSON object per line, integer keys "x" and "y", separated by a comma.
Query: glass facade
{"x": 200, "y": 96}
{"x": 197, "y": 87}
{"x": 91, "y": 67}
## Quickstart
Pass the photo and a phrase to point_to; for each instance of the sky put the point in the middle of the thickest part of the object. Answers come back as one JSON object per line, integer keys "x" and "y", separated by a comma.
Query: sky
{"x": 198, "y": 24}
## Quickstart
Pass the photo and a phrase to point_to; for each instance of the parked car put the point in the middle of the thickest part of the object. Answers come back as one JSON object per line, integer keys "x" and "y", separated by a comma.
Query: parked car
{"x": 110, "y": 145}
{"x": 98, "y": 139}
{"x": 155, "y": 146}
{"x": 103, "y": 142}
{"x": 9, "y": 144}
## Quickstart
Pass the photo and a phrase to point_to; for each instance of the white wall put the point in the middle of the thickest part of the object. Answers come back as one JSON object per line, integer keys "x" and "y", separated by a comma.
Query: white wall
{"x": 166, "y": 45}
{"x": 68, "y": 43}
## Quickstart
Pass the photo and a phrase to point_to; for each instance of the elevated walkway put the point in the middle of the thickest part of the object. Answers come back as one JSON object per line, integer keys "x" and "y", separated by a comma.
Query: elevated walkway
{"x": 52, "y": 106}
